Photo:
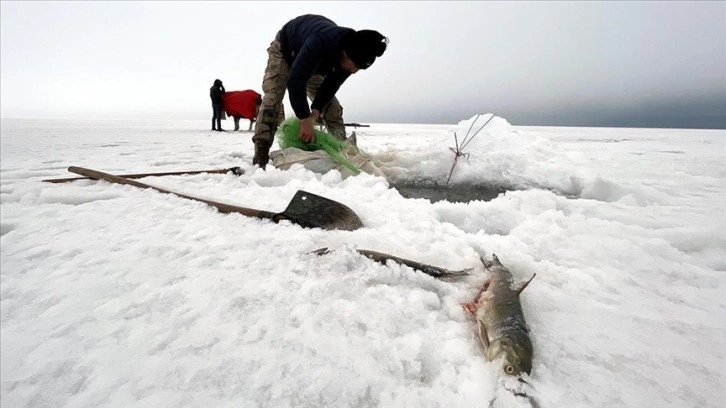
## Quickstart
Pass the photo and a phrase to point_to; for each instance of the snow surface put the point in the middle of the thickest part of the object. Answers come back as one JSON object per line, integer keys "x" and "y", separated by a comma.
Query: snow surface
{"x": 116, "y": 296}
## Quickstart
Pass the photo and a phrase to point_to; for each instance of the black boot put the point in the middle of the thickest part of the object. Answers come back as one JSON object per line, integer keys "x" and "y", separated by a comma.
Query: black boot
{"x": 262, "y": 153}
{"x": 213, "y": 128}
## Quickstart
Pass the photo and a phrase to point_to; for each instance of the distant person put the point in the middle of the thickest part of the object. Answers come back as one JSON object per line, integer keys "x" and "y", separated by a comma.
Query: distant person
{"x": 311, "y": 56}
{"x": 242, "y": 105}
{"x": 216, "y": 93}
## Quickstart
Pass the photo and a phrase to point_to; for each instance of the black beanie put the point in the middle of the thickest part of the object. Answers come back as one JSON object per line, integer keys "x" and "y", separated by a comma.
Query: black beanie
{"x": 363, "y": 46}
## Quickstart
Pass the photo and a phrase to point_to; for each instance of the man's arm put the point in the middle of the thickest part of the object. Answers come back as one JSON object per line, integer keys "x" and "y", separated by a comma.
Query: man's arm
{"x": 328, "y": 89}
{"x": 302, "y": 69}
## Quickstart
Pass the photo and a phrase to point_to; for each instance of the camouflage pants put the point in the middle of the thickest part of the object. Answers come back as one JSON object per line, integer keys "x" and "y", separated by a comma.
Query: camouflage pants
{"x": 274, "y": 85}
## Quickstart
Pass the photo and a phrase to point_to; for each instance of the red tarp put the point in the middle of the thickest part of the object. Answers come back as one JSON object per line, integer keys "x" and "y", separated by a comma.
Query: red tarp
{"x": 241, "y": 103}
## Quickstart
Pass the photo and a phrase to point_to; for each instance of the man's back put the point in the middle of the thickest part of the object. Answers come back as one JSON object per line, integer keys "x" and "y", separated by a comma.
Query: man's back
{"x": 300, "y": 29}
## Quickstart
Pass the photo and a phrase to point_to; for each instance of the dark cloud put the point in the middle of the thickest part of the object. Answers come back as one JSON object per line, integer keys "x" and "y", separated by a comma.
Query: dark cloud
{"x": 689, "y": 113}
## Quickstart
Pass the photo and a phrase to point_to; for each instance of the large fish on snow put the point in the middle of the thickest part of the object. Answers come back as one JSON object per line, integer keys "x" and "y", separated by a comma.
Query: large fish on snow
{"x": 501, "y": 324}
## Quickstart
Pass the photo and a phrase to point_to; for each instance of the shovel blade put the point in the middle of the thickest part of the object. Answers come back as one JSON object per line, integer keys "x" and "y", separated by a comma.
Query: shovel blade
{"x": 313, "y": 211}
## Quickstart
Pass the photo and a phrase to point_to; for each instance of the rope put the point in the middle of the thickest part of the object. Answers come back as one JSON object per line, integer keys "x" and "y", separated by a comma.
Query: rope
{"x": 458, "y": 152}
{"x": 477, "y": 132}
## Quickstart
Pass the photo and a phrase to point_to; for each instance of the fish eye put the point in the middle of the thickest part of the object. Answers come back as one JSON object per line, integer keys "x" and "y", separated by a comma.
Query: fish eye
{"x": 509, "y": 369}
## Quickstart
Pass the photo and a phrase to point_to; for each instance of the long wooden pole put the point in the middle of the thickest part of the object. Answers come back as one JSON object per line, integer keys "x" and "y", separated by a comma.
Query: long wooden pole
{"x": 234, "y": 170}
{"x": 225, "y": 208}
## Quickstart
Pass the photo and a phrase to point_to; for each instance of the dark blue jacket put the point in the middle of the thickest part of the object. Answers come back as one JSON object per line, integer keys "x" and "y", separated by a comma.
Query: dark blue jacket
{"x": 312, "y": 45}
{"x": 217, "y": 94}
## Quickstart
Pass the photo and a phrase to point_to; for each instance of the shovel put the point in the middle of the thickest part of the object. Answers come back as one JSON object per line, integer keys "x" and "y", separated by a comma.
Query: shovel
{"x": 234, "y": 170}
{"x": 305, "y": 209}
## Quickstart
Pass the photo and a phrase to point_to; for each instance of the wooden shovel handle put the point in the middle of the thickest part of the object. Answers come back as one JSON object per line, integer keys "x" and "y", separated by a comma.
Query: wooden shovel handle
{"x": 142, "y": 175}
{"x": 225, "y": 208}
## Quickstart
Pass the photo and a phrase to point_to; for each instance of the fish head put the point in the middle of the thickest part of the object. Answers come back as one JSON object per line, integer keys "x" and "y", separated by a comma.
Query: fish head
{"x": 517, "y": 357}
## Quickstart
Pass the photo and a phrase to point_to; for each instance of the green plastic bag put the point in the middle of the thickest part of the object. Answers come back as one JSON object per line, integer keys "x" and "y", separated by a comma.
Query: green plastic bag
{"x": 288, "y": 135}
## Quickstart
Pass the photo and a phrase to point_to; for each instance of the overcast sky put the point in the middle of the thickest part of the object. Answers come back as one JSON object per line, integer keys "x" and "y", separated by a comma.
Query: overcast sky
{"x": 650, "y": 64}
